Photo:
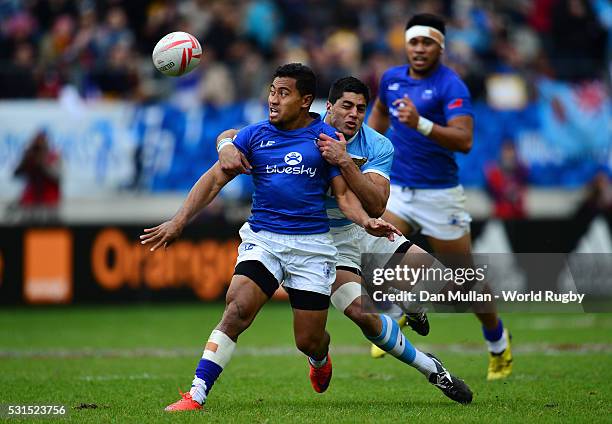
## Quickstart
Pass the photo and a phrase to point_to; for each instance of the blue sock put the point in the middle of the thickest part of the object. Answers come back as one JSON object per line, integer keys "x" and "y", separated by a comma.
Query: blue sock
{"x": 495, "y": 334}
{"x": 392, "y": 340}
{"x": 209, "y": 372}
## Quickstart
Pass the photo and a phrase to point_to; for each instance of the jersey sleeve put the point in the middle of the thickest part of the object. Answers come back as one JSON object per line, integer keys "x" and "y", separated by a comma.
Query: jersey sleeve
{"x": 332, "y": 171}
{"x": 382, "y": 149}
{"x": 456, "y": 100}
{"x": 382, "y": 88}
{"x": 243, "y": 140}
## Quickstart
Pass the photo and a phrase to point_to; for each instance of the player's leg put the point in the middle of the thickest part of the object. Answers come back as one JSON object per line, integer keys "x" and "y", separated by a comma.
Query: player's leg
{"x": 256, "y": 278}
{"x": 310, "y": 270}
{"x": 243, "y": 301}
{"x": 311, "y": 338}
{"x": 497, "y": 338}
{"x": 385, "y": 333}
{"x": 416, "y": 320}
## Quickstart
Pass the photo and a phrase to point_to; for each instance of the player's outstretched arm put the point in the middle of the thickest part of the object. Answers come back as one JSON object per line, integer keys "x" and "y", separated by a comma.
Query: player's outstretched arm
{"x": 230, "y": 158}
{"x": 351, "y": 207}
{"x": 371, "y": 189}
{"x": 379, "y": 117}
{"x": 201, "y": 194}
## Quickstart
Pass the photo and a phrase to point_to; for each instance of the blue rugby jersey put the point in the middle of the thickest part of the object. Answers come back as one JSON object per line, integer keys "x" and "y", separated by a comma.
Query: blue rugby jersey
{"x": 420, "y": 162}
{"x": 290, "y": 177}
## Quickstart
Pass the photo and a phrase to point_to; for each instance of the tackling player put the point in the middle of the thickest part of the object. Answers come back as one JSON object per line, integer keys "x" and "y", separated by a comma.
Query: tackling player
{"x": 429, "y": 111}
{"x": 286, "y": 239}
{"x": 365, "y": 162}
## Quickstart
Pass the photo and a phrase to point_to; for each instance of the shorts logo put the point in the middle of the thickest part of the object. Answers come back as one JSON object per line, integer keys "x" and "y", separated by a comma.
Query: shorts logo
{"x": 458, "y": 220}
{"x": 293, "y": 158}
{"x": 327, "y": 267}
{"x": 248, "y": 246}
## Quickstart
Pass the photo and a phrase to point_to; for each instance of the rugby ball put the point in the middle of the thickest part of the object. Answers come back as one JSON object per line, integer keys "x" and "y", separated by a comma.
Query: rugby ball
{"x": 176, "y": 54}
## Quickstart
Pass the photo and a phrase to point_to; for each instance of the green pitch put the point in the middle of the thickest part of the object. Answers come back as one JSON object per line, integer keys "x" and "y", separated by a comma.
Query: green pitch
{"x": 125, "y": 364}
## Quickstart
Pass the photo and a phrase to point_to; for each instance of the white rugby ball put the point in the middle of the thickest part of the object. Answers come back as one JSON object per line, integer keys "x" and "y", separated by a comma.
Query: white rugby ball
{"x": 176, "y": 54}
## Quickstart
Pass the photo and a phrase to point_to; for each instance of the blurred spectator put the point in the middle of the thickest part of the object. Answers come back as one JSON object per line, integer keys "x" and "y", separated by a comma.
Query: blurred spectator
{"x": 40, "y": 167}
{"x": 73, "y": 41}
{"x": 507, "y": 184}
{"x": 17, "y": 79}
{"x": 579, "y": 41}
{"x": 599, "y": 195}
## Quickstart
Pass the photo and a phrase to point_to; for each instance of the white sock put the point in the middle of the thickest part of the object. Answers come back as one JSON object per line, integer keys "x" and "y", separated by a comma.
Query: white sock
{"x": 317, "y": 364}
{"x": 198, "y": 390}
{"x": 498, "y": 346}
{"x": 424, "y": 364}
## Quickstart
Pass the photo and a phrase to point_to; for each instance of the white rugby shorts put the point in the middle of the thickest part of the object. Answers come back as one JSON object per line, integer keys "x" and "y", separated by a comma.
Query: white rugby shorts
{"x": 302, "y": 262}
{"x": 439, "y": 213}
{"x": 352, "y": 240}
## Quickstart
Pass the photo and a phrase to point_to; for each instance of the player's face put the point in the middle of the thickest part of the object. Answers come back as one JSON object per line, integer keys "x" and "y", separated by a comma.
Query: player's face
{"x": 348, "y": 113}
{"x": 285, "y": 102}
{"x": 423, "y": 54}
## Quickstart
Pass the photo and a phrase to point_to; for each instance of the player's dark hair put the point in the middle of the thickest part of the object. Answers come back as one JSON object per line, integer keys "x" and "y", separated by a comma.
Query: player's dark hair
{"x": 305, "y": 79}
{"x": 427, "y": 19}
{"x": 348, "y": 84}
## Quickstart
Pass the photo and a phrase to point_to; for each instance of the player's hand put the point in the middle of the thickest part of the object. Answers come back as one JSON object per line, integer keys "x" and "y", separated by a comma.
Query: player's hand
{"x": 380, "y": 228}
{"x": 332, "y": 150}
{"x": 407, "y": 112}
{"x": 233, "y": 162}
{"x": 162, "y": 235}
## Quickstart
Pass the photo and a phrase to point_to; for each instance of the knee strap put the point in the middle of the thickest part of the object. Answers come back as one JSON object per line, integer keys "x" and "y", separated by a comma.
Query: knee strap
{"x": 345, "y": 295}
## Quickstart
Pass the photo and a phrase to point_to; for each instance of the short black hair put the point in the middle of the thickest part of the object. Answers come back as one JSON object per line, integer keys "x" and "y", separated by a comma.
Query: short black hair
{"x": 305, "y": 78}
{"x": 348, "y": 84}
{"x": 427, "y": 19}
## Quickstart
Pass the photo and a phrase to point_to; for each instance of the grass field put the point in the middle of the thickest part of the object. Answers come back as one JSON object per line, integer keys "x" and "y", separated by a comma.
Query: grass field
{"x": 125, "y": 364}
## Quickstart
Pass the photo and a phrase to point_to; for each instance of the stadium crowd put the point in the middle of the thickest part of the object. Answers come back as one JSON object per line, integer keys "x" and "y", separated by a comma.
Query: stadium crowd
{"x": 103, "y": 47}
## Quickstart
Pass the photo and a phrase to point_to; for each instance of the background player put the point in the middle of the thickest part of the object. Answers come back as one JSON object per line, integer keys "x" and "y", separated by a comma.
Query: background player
{"x": 287, "y": 236}
{"x": 365, "y": 162}
{"x": 428, "y": 108}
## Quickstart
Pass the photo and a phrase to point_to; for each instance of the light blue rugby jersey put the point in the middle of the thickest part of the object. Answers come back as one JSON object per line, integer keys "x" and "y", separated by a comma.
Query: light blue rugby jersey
{"x": 291, "y": 177}
{"x": 420, "y": 162}
{"x": 372, "y": 152}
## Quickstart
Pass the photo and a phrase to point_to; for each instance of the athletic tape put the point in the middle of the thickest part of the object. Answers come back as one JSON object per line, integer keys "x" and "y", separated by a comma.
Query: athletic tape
{"x": 345, "y": 295}
{"x": 219, "y": 348}
{"x": 425, "y": 31}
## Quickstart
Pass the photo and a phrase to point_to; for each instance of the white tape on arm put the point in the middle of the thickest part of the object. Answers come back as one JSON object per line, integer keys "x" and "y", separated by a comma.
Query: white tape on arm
{"x": 424, "y": 126}
{"x": 345, "y": 295}
{"x": 224, "y": 142}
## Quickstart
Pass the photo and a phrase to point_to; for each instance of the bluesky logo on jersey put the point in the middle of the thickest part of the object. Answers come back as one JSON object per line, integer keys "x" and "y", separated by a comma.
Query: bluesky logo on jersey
{"x": 292, "y": 159}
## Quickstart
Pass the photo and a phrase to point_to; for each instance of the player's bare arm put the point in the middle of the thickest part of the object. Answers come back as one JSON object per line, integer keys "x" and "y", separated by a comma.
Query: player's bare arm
{"x": 201, "y": 194}
{"x": 379, "y": 117}
{"x": 371, "y": 189}
{"x": 456, "y": 136}
{"x": 351, "y": 207}
{"x": 231, "y": 159}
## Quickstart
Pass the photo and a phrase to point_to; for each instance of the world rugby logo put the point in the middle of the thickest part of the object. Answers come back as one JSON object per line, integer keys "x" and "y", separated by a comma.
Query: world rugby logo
{"x": 293, "y": 158}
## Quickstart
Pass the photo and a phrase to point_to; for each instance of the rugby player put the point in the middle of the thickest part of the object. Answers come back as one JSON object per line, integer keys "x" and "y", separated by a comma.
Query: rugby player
{"x": 286, "y": 240}
{"x": 429, "y": 110}
{"x": 364, "y": 157}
